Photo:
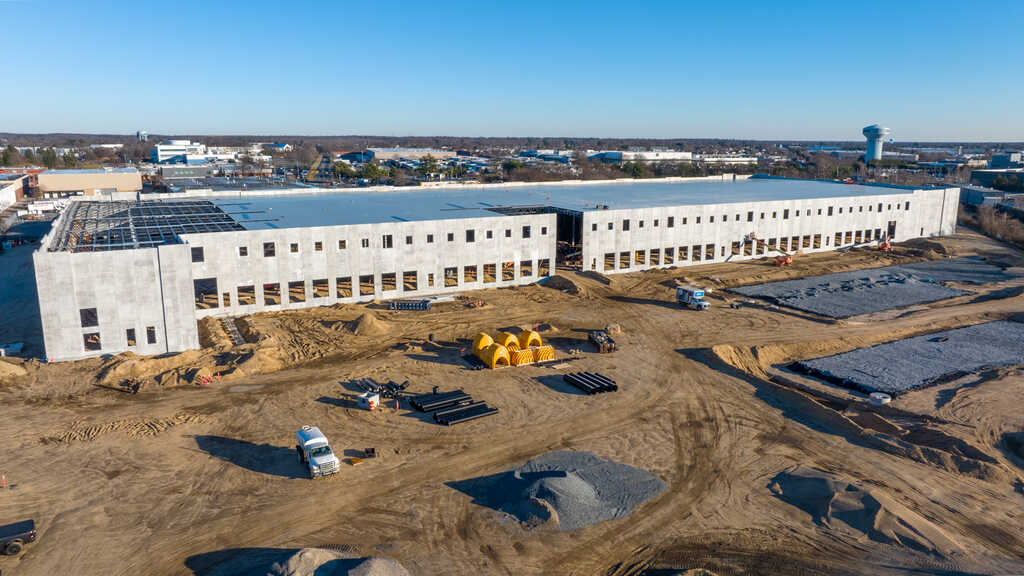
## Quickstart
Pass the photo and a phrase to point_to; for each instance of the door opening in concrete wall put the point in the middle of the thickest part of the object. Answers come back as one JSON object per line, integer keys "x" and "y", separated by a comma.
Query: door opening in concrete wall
{"x": 858, "y": 237}
{"x": 508, "y": 271}
{"x": 151, "y": 334}
{"x": 246, "y": 295}
{"x": 451, "y": 277}
{"x": 654, "y": 257}
{"x": 130, "y": 336}
{"x": 696, "y": 252}
{"x": 623, "y": 259}
{"x": 490, "y": 273}
{"x": 388, "y": 281}
{"x": 817, "y": 241}
{"x": 343, "y": 287}
{"x": 807, "y": 241}
{"x": 430, "y": 279}
{"x": 748, "y": 248}
{"x": 366, "y": 285}
{"x": 838, "y": 240}
{"x": 669, "y": 256}
{"x": 639, "y": 257}
{"x": 609, "y": 260}
{"x": 409, "y": 281}
{"x": 91, "y": 341}
{"x": 205, "y": 293}
{"x": 297, "y": 291}
{"x": 226, "y": 299}
{"x": 849, "y": 238}
{"x": 321, "y": 288}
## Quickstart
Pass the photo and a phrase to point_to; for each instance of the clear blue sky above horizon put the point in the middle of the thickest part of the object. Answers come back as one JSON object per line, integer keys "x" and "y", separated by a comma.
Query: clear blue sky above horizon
{"x": 746, "y": 69}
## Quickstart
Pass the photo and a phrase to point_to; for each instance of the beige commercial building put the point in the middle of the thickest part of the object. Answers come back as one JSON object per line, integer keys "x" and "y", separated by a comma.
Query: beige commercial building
{"x": 89, "y": 182}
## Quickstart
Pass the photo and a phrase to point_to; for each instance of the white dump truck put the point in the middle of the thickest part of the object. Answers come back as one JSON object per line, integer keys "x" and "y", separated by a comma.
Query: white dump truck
{"x": 691, "y": 297}
{"x": 315, "y": 453}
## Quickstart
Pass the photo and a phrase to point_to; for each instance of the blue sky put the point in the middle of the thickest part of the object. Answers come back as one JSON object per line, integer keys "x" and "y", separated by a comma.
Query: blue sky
{"x": 757, "y": 69}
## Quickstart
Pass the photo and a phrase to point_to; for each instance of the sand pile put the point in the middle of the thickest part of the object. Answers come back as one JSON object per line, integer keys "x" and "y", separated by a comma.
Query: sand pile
{"x": 367, "y": 325}
{"x": 304, "y": 562}
{"x": 10, "y": 371}
{"x": 841, "y": 505}
{"x": 566, "y": 489}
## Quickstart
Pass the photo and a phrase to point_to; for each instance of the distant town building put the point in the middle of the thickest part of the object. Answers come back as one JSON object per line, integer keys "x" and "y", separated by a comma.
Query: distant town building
{"x": 89, "y": 182}
{"x": 652, "y": 156}
{"x": 1007, "y": 160}
{"x": 382, "y": 154}
{"x": 142, "y": 136}
{"x": 106, "y": 146}
{"x": 279, "y": 147}
{"x": 876, "y": 135}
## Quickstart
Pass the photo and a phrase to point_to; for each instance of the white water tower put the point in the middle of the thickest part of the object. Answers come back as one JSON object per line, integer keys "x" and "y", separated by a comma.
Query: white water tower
{"x": 876, "y": 135}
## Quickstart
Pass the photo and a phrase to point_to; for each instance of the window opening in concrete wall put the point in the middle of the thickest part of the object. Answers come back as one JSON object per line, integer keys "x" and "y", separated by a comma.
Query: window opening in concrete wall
{"x": 526, "y": 231}
{"x": 698, "y": 220}
{"x": 318, "y": 246}
{"x": 451, "y": 236}
{"x": 409, "y": 281}
{"x": 684, "y": 221}
{"x": 226, "y": 299}
{"x": 695, "y": 253}
{"x": 150, "y": 334}
{"x": 654, "y": 257}
{"x": 683, "y": 254}
{"x": 735, "y": 248}
{"x": 293, "y": 247}
{"x": 830, "y": 210}
{"x": 672, "y": 222}
{"x": 878, "y": 233}
{"x": 784, "y": 244}
{"x": 508, "y": 233}
{"x": 469, "y": 274}
{"x": 130, "y": 336}
{"x": 342, "y": 244}
{"x": 321, "y": 288}
{"x": 246, "y": 295}
{"x": 748, "y": 248}
{"x": 625, "y": 225}
{"x": 366, "y": 285}
{"x": 907, "y": 206}
{"x": 807, "y": 241}
{"x": 269, "y": 250}
{"x": 388, "y": 281}
{"x": 197, "y": 254}
{"x": 508, "y": 271}
{"x": 543, "y": 230}
{"x": 750, "y": 216}
{"x": 772, "y": 242}
{"x": 364, "y": 242}
{"x": 641, "y": 224}
{"x": 879, "y": 206}
{"x": 490, "y": 273}
{"x": 451, "y": 277}
{"x": 609, "y": 260}
{"x": 711, "y": 219}
{"x": 430, "y": 279}
{"x": 243, "y": 251}
{"x": 343, "y": 287}
{"x": 205, "y": 293}
{"x": 430, "y": 238}
{"x": 838, "y": 240}
{"x": 593, "y": 227}
{"x": 817, "y": 241}
{"x": 387, "y": 241}
{"x": 543, "y": 267}
{"x": 857, "y": 237}
{"x": 271, "y": 294}
{"x": 819, "y": 211}
{"x": 849, "y": 238}
{"x": 611, "y": 226}
{"x": 669, "y": 256}
{"x": 89, "y": 317}
{"x": 490, "y": 234}
{"x": 623, "y": 260}
{"x": 297, "y": 291}
{"x": 91, "y": 341}
{"x": 785, "y": 214}
{"x": 470, "y": 235}
{"x": 795, "y": 242}
{"x": 639, "y": 257}
{"x": 760, "y": 248}
{"x": 408, "y": 240}
{"x": 525, "y": 268}
{"x": 655, "y": 222}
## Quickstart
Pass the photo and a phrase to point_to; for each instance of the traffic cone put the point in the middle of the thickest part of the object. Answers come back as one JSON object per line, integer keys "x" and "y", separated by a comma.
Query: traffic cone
{"x": 3, "y": 481}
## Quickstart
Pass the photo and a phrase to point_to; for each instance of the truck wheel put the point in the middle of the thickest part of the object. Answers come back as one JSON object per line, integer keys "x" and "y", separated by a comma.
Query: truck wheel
{"x": 12, "y": 548}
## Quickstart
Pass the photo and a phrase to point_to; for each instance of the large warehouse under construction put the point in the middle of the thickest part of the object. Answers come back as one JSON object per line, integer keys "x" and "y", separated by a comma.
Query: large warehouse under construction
{"x": 117, "y": 275}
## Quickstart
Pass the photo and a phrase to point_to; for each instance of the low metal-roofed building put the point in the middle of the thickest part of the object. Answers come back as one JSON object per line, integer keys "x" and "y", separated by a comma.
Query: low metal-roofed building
{"x": 89, "y": 181}
{"x": 116, "y": 276}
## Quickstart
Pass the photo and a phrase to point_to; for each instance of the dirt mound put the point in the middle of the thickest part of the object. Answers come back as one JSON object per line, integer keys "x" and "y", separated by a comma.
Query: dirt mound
{"x": 923, "y": 248}
{"x": 10, "y": 371}
{"x": 562, "y": 283}
{"x": 367, "y": 324}
{"x": 842, "y": 505}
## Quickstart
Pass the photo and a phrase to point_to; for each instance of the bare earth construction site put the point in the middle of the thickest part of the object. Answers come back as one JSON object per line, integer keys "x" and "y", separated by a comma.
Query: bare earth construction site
{"x": 753, "y": 467}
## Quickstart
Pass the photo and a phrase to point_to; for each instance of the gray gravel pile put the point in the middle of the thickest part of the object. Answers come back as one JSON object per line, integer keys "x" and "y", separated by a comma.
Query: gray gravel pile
{"x": 858, "y": 292}
{"x": 572, "y": 490}
{"x": 923, "y": 360}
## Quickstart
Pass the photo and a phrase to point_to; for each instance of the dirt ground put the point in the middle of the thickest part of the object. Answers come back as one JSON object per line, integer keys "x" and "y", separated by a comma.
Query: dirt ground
{"x": 179, "y": 477}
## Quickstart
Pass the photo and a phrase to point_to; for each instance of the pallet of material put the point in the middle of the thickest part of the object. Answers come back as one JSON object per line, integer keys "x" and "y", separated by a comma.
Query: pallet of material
{"x": 590, "y": 382}
{"x": 409, "y": 305}
{"x": 439, "y": 400}
{"x": 464, "y": 413}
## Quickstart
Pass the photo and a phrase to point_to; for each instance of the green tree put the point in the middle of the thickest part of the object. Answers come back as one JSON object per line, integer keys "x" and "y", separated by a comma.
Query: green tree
{"x": 371, "y": 171}
{"x": 8, "y": 155}
{"x": 428, "y": 165}
{"x": 49, "y": 157}
{"x": 29, "y": 156}
{"x": 634, "y": 169}
{"x": 343, "y": 170}
{"x": 70, "y": 160}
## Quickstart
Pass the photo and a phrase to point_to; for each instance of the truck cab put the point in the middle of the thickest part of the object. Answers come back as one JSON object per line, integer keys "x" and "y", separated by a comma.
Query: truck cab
{"x": 691, "y": 297}
{"x": 315, "y": 453}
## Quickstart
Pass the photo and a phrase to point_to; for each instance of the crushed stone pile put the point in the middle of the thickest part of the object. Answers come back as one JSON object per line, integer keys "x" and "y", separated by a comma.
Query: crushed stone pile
{"x": 923, "y": 360}
{"x": 864, "y": 513}
{"x": 857, "y": 292}
{"x": 568, "y": 489}
{"x": 305, "y": 562}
